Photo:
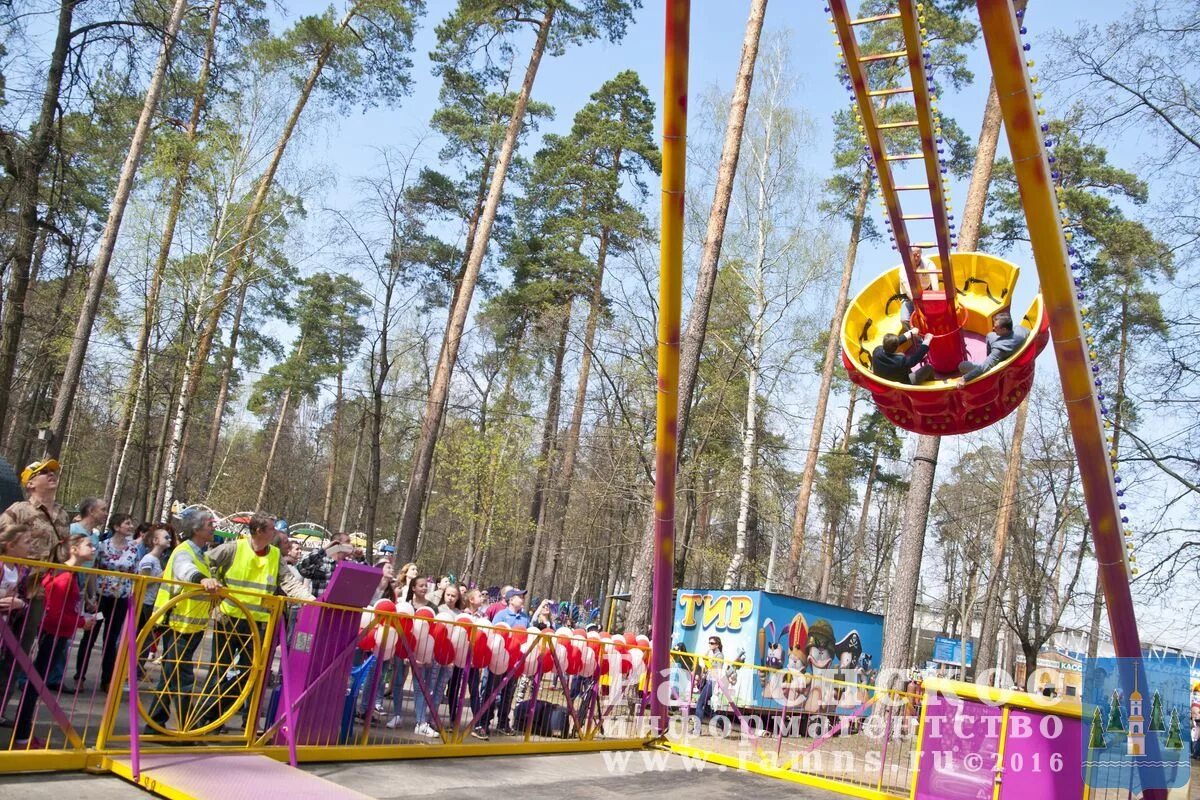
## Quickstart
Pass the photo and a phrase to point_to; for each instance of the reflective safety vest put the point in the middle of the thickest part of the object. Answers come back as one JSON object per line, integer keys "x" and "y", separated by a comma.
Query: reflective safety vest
{"x": 191, "y": 615}
{"x": 251, "y": 571}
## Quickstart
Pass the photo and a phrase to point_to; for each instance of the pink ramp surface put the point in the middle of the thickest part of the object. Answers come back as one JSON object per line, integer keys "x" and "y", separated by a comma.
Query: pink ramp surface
{"x": 230, "y": 776}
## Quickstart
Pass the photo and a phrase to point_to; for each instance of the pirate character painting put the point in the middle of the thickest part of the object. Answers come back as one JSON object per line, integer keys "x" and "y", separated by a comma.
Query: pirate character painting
{"x": 819, "y": 655}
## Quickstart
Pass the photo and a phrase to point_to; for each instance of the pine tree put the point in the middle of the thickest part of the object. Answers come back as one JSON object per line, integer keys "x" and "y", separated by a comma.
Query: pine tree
{"x": 1114, "y": 714}
{"x": 1156, "y": 713}
{"x": 1174, "y": 737}
{"x": 1097, "y": 740}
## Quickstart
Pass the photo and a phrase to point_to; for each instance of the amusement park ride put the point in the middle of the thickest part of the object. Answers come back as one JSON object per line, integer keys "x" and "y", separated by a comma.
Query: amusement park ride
{"x": 974, "y": 287}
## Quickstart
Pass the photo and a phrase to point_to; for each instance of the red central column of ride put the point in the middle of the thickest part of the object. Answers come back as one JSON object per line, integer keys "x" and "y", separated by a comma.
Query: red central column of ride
{"x": 941, "y": 319}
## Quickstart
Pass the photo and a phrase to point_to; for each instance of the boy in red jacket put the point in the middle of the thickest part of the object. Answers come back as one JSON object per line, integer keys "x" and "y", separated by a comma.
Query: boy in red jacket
{"x": 64, "y": 615}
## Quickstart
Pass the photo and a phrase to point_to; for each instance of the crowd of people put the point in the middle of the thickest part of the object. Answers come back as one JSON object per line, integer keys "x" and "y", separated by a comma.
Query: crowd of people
{"x": 52, "y": 610}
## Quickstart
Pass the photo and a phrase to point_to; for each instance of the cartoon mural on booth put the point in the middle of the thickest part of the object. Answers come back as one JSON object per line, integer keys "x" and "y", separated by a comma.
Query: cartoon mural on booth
{"x": 791, "y": 639}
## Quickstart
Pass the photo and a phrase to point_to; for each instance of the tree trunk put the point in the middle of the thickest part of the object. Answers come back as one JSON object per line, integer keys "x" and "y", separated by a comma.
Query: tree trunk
{"x": 829, "y": 546}
{"x": 26, "y": 185}
{"x": 638, "y": 614}
{"x": 809, "y": 476}
{"x": 266, "y": 476}
{"x": 65, "y": 400}
{"x": 175, "y": 427}
{"x": 985, "y": 654}
{"x": 571, "y": 445}
{"x": 350, "y": 481}
{"x": 182, "y": 178}
{"x": 860, "y": 534}
{"x": 759, "y": 310}
{"x": 546, "y": 455}
{"x": 157, "y": 479}
{"x": 902, "y": 602}
{"x": 435, "y": 407}
{"x": 333, "y": 455}
{"x": 749, "y": 451}
{"x": 214, "y": 432}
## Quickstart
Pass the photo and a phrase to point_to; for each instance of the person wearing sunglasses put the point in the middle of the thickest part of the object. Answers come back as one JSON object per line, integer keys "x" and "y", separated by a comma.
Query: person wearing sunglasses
{"x": 711, "y": 666}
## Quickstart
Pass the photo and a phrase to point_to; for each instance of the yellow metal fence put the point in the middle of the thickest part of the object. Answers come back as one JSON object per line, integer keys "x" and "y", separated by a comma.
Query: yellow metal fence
{"x": 235, "y": 685}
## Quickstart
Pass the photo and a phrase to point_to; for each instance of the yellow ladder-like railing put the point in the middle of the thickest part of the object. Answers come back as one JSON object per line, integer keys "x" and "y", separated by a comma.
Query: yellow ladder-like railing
{"x": 926, "y": 121}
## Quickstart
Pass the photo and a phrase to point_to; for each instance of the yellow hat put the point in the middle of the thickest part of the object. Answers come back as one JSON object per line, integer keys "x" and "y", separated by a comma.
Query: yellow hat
{"x": 37, "y": 468}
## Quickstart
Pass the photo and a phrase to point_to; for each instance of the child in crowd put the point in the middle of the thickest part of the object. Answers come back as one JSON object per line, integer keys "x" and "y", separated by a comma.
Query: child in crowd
{"x": 14, "y": 580}
{"x": 64, "y": 615}
{"x": 158, "y": 539}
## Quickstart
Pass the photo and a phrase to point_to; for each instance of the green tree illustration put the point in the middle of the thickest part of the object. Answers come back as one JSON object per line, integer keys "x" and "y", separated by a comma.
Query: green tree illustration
{"x": 1097, "y": 740}
{"x": 1174, "y": 738}
{"x": 1156, "y": 713}
{"x": 1114, "y": 714}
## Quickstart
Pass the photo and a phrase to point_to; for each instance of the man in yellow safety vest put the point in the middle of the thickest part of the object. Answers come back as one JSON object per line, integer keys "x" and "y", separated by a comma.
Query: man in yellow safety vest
{"x": 250, "y": 568}
{"x": 186, "y": 621}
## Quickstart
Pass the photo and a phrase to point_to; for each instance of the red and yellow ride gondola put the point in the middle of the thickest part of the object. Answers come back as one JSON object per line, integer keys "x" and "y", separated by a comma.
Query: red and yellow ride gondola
{"x": 983, "y": 286}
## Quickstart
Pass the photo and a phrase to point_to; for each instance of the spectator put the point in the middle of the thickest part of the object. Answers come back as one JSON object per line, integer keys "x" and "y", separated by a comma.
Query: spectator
{"x": 48, "y": 526}
{"x": 475, "y": 600}
{"x": 89, "y": 522}
{"x": 93, "y": 513}
{"x": 63, "y": 616}
{"x": 1002, "y": 343}
{"x": 387, "y": 584}
{"x": 14, "y": 585}
{"x": 404, "y": 578}
{"x": 187, "y": 621}
{"x": 252, "y": 567}
{"x": 1196, "y": 732}
{"x": 139, "y": 536}
{"x": 394, "y": 670}
{"x": 513, "y": 614}
{"x": 293, "y": 553}
{"x": 543, "y": 618}
{"x": 927, "y": 274}
{"x": 151, "y": 566}
{"x": 318, "y": 565}
{"x": 495, "y": 608}
{"x": 712, "y": 668}
{"x": 46, "y": 519}
{"x": 14, "y": 543}
{"x": 425, "y": 678}
{"x": 435, "y": 597}
{"x": 117, "y": 553}
{"x": 892, "y": 365}
{"x": 452, "y": 603}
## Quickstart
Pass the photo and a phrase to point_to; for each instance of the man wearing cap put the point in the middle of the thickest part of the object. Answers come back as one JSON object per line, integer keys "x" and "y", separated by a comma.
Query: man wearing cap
{"x": 48, "y": 525}
{"x": 48, "y": 521}
{"x": 187, "y": 620}
{"x": 318, "y": 566}
{"x": 512, "y": 615}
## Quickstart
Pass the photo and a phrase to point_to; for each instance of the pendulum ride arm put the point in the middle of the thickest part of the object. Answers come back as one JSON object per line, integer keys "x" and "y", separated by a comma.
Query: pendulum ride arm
{"x": 1000, "y": 33}
{"x": 938, "y": 308}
